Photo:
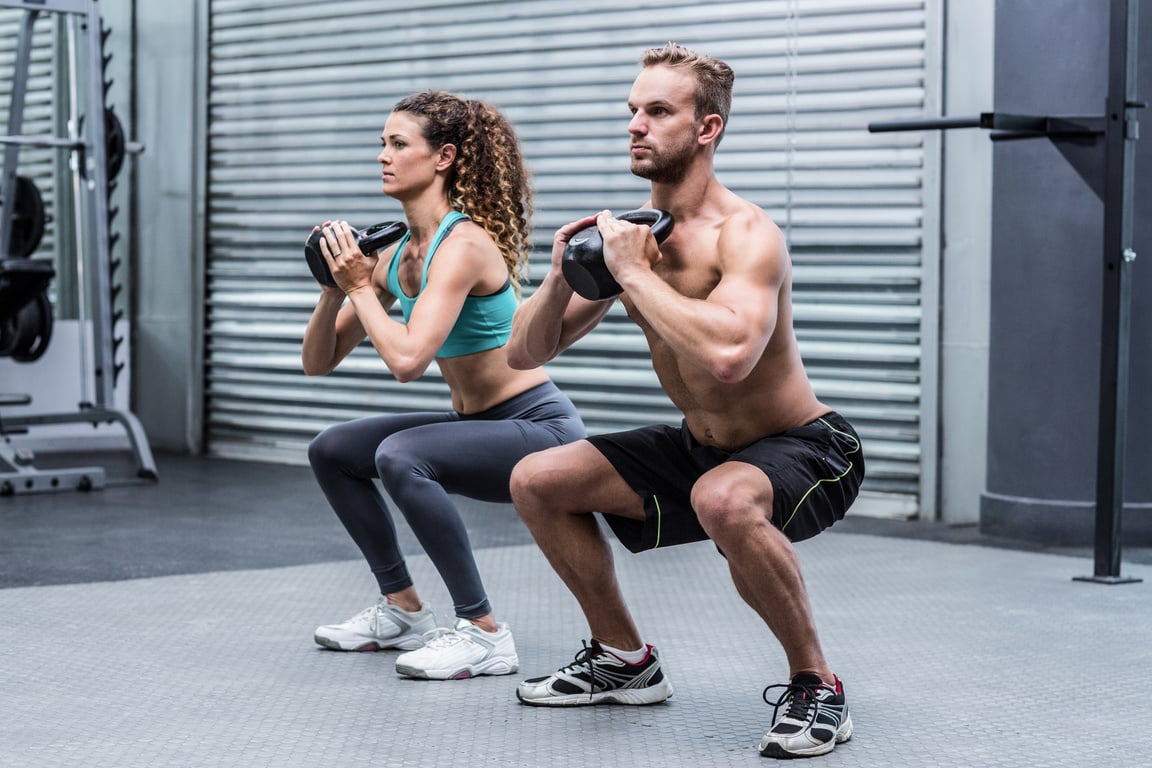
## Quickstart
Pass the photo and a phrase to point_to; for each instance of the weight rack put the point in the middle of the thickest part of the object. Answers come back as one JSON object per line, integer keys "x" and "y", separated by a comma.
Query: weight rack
{"x": 88, "y": 148}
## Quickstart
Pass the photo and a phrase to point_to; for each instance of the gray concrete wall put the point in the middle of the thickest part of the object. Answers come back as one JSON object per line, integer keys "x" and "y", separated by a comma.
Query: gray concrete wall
{"x": 168, "y": 254}
{"x": 965, "y": 264}
{"x": 1047, "y": 224}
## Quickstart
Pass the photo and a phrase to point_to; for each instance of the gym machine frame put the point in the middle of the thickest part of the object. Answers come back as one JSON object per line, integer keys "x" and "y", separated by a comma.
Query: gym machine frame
{"x": 1111, "y": 174}
{"x": 89, "y": 163}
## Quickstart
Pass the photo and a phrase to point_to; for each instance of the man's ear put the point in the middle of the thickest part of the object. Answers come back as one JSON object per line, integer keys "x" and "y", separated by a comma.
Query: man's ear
{"x": 710, "y": 129}
{"x": 447, "y": 156}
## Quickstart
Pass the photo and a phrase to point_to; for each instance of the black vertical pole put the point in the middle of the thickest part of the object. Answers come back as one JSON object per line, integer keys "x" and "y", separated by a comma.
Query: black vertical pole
{"x": 1121, "y": 132}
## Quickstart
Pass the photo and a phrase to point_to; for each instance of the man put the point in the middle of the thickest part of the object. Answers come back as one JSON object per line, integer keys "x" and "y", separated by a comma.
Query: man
{"x": 758, "y": 461}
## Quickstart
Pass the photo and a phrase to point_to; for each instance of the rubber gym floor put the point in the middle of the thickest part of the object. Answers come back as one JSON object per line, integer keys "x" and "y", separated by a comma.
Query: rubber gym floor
{"x": 170, "y": 624}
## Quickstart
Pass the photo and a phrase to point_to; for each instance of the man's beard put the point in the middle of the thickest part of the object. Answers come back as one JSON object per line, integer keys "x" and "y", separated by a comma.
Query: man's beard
{"x": 665, "y": 167}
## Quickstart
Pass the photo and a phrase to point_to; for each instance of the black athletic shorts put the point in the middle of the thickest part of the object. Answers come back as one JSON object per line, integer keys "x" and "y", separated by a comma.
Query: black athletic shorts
{"x": 815, "y": 471}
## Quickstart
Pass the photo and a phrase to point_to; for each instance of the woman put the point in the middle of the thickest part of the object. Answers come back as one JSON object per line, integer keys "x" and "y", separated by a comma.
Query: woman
{"x": 456, "y": 168}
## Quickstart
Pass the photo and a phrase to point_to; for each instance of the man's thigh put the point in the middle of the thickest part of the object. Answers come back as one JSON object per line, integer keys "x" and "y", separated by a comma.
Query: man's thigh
{"x": 659, "y": 464}
{"x": 578, "y": 475}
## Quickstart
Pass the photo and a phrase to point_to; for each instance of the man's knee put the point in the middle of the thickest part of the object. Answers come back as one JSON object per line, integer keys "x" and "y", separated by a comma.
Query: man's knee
{"x": 550, "y": 479}
{"x": 727, "y": 506}
{"x": 531, "y": 478}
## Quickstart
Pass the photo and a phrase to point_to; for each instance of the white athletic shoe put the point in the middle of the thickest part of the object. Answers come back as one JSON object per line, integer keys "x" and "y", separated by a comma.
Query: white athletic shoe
{"x": 459, "y": 653}
{"x": 597, "y": 676}
{"x": 377, "y": 628}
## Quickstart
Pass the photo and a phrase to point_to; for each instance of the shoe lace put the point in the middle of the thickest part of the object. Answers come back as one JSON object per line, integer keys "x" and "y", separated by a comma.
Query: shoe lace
{"x": 373, "y": 613}
{"x": 442, "y": 637}
{"x": 586, "y": 658}
{"x": 800, "y": 698}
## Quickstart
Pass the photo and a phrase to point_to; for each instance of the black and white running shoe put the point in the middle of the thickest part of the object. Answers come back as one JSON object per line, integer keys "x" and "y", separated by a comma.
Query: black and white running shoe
{"x": 815, "y": 718}
{"x": 599, "y": 677}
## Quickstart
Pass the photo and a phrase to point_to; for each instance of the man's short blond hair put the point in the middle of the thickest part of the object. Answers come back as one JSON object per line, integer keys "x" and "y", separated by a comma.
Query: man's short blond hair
{"x": 713, "y": 78}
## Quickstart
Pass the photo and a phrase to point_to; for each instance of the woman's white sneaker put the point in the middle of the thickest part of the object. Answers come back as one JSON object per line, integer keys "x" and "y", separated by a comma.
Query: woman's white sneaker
{"x": 462, "y": 652}
{"x": 377, "y": 628}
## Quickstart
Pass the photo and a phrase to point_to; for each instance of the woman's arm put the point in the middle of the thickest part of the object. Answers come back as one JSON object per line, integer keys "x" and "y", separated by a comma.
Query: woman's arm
{"x": 409, "y": 348}
{"x": 333, "y": 332}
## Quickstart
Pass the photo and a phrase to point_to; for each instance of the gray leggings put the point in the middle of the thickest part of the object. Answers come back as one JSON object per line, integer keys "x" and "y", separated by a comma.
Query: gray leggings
{"x": 423, "y": 457}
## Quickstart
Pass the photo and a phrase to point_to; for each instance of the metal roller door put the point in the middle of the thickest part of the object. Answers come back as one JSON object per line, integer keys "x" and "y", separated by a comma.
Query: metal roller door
{"x": 298, "y": 92}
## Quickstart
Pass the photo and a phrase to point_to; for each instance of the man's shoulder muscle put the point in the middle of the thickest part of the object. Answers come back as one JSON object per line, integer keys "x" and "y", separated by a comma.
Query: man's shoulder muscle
{"x": 750, "y": 238}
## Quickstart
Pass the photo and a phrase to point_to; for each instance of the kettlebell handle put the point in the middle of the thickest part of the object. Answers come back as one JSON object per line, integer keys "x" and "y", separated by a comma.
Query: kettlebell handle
{"x": 660, "y": 222}
{"x": 369, "y": 241}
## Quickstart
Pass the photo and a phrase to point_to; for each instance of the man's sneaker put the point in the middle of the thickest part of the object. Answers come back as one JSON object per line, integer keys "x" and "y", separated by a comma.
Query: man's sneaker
{"x": 599, "y": 677}
{"x": 816, "y": 718}
{"x": 459, "y": 653}
{"x": 376, "y": 628}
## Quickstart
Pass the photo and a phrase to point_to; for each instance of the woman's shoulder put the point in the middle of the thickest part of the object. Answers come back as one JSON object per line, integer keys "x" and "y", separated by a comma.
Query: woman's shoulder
{"x": 468, "y": 238}
{"x": 469, "y": 256}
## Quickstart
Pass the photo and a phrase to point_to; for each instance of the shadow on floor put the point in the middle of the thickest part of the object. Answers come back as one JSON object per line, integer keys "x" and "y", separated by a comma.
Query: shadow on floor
{"x": 206, "y": 515}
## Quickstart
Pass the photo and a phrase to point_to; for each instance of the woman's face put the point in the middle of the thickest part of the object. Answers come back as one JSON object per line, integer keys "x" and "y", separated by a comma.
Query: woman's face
{"x": 408, "y": 164}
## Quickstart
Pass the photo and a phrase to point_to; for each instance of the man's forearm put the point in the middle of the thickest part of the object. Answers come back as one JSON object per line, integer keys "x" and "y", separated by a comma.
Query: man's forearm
{"x": 538, "y": 326}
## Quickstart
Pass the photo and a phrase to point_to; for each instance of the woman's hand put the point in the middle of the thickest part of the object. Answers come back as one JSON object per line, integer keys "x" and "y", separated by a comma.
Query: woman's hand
{"x": 351, "y": 269}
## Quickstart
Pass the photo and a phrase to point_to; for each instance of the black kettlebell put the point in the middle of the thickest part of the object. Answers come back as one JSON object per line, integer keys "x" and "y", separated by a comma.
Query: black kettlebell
{"x": 583, "y": 259}
{"x": 369, "y": 241}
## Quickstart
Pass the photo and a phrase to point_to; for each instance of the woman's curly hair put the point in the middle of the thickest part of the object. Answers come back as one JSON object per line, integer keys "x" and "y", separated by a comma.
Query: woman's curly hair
{"x": 490, "y": 181}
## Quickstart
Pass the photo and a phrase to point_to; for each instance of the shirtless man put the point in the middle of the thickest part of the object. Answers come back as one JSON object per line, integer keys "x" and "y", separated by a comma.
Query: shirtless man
{"x": 758, "y": 462}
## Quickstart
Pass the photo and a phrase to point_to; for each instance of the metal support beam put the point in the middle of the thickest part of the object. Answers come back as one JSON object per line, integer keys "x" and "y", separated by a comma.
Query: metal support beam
{"x": 1120, "y": 135}
{"x": 94, "y": 170}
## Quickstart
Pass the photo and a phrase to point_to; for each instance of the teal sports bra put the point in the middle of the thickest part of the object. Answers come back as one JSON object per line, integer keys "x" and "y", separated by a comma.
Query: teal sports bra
{"x": 485, "y": 322}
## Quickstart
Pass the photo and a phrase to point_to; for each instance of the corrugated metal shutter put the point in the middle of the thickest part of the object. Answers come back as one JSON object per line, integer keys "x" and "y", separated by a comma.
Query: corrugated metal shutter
{"x": 298, "y": 93}
{"x": 34, "y": 162}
